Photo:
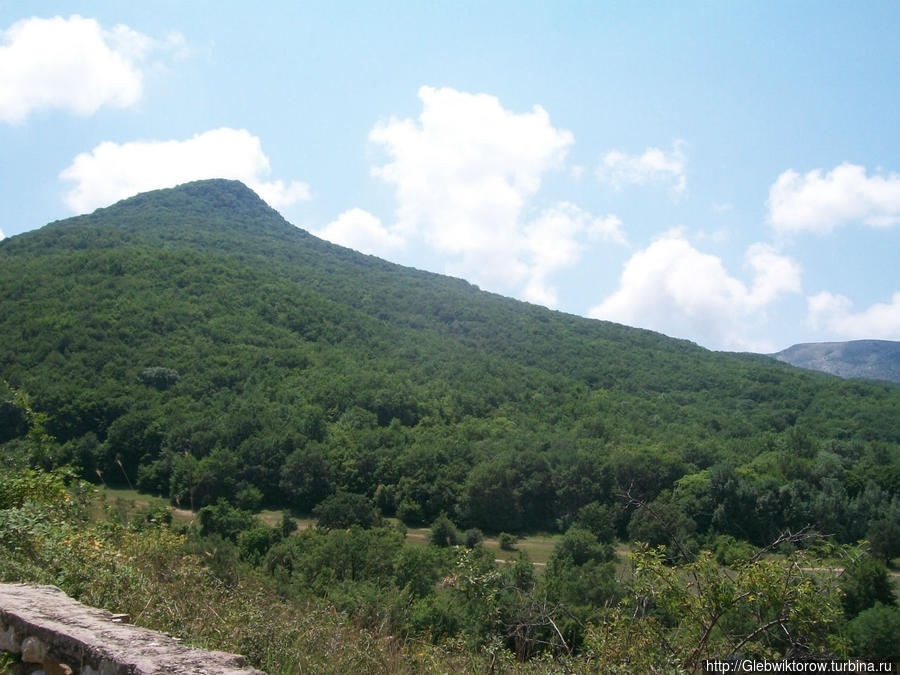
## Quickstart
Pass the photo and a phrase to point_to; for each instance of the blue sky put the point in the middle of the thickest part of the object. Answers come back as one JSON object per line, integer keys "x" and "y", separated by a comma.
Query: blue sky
{"x": 723, "y": 172}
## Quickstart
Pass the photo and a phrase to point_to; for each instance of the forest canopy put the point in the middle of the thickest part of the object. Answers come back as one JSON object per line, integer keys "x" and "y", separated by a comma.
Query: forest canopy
{"x": 193, "y": 344}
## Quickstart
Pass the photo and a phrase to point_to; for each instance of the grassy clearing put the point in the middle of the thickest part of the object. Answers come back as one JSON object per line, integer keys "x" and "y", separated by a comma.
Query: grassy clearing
{"x": 127, "y": 502}
{"x": 538, "y": 547}
{"x": 272, "y": 518}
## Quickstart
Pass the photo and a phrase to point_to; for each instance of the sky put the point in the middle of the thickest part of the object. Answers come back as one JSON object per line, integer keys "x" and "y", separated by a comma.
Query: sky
{"x": 723, "y": 172}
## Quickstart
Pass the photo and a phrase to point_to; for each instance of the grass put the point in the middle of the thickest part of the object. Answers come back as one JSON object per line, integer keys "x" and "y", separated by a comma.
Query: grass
{"x": 538, "y": 546}
{"x": 128, "y": 502}
{"x": 272, "y": 518}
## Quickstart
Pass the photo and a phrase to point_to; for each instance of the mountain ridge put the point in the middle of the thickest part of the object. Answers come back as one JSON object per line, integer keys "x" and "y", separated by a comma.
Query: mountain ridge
{"x": 867, "y": 359}
{"x": 192, "y": 342}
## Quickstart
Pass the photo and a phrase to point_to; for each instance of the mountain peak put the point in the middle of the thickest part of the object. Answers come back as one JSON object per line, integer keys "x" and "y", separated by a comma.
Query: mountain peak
{"x": 210, "y": 194}
{"x": 870, "y": 359}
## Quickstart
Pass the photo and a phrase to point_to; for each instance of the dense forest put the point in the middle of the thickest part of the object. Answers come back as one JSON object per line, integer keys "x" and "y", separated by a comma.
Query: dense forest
{"x": 191, "y": 343}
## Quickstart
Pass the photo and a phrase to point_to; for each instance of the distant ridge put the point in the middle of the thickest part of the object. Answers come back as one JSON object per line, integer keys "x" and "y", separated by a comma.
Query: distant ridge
{"x": 868, "y": 359}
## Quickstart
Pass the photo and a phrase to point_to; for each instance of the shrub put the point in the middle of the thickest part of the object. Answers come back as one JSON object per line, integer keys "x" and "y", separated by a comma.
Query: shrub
{"x": 223, "y": 519}
{"x": 507, "y": 541}
{"x": 288, "y": 525}
{"x": 444, "y": 532}
{"x": 473, "y": 537}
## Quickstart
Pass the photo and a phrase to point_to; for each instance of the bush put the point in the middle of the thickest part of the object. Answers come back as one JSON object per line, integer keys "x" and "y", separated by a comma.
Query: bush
{"x": 249, "y": 498}
{"x": 444, "y": 532}
{"x": 507, "y": 541}
{"x": 254, "y": 543}
{"x": 224, "y": 519}
{"x": 730, "y": 551}
{"x": 473, "y": 537}
{"x": 288, "y": 525}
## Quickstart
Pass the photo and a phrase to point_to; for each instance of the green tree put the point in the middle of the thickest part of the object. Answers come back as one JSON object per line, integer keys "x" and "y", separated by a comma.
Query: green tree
{"x": 443, "y": 532}
{"x": 864, "y": 582}
{"x": 345, "y": 509}
{"x": 875, "y": 634}
{"x": 581, "y": 571}
{"x": 223, "y": 519}
{"x": 677, "y": 616}
{"x": 306, "y": 478}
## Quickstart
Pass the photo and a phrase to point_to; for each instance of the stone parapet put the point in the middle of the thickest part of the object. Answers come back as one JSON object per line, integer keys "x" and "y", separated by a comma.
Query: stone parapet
{"x": 48, "y": 632}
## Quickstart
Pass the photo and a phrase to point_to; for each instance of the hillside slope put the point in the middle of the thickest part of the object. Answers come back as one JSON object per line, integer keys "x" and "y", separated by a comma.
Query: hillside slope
{"x": 194, "y": 343}
{"x": 870, "y": 359}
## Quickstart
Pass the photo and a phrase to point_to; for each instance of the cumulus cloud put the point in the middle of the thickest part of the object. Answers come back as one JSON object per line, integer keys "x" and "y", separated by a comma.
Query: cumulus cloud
{"x": 73, "y": 63}
{"x": 835, "y": 313}
{"x": 113, "y": 171}
{"x": 2, "y": 236}
{"x": 673, "y": 288}
{"x": 653, "y": 166}
{"x": 554, "y": 241}
{"x": 360, "y": 230}
{"x": 465, "y": 171}
{"x": 819, "y": 203}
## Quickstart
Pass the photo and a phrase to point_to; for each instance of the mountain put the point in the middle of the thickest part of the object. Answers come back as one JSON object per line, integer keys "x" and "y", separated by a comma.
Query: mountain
{"x": 193, "y": 343}
{"x": 869, "y": 359}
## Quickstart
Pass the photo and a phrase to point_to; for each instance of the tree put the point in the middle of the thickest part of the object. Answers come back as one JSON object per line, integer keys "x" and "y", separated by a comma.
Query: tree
{"x": 864, "y": 583}
{"x": 875, "y": 634}
{"x": 345, "y": 509}
{"x": 884, "y": 532}
{"x": 507, "y": 541}
{"x": 683, "y": 614}
{"x": 580, "y": 571}
{"x": 444, "y": 532}
{"x": 224, "y": 519}
{"x": 306, "y": 477}
{"x": 489, "y": 498}
{"x": 599, "y": 520}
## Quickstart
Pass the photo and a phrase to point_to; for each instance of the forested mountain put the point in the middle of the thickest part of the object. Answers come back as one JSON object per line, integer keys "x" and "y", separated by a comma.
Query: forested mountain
{"x": 870, "y": 359}
{"x": 192, "y": 342}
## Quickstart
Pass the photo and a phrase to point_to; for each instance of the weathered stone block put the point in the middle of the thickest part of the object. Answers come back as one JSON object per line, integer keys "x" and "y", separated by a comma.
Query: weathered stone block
{"x": 33, "y": 650}
{"x": 52, "y": 630}
{"x": 9, "y": 641}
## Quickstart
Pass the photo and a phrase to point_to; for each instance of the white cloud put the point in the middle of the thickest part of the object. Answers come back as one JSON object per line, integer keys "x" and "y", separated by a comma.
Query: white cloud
{"x": 553, "y": 241}
{"x": 673, "y": 288}
{"x": 464, "y": 173}
{"x": 360, "y": 230}
{"x": 69, "y": 63}
{"x": 113, "y": 171}
{"x": 653, "y": 166}
{"x": 835, "y": 313}
{"x": 2, "y": 236}
{"x": 818, "y": 203}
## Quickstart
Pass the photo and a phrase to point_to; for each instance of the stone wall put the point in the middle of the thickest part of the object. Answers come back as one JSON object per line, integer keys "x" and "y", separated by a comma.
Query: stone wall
{"x": 45, "y": 631}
